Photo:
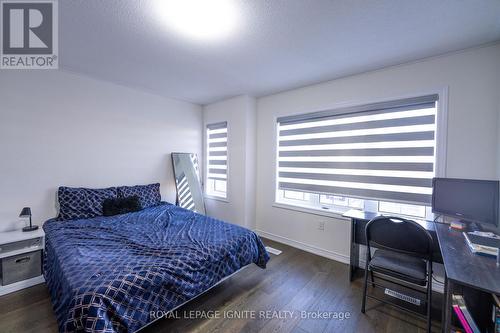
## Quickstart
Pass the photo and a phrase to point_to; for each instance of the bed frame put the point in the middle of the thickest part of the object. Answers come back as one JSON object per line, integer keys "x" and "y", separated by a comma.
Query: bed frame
{"x": 195, "y": 297}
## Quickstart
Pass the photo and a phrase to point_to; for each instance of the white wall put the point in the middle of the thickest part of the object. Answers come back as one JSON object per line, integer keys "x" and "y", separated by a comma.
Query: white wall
{"x": 240, "y": 114}
{"x": 498, "y": 131}
{"x": 250, "y": 161}
{"x": 472, "y": 78}
{"x": 498, "y": 134}
{"x": 58, "y": 128}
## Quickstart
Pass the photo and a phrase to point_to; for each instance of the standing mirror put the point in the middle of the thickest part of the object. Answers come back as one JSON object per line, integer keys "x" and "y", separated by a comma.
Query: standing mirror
{"x": 187, "y": 182}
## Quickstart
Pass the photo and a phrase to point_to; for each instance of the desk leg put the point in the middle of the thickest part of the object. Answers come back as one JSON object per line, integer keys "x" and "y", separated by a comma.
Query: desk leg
{"x": 354, "y": 255}
{"x": 447, "y": 306}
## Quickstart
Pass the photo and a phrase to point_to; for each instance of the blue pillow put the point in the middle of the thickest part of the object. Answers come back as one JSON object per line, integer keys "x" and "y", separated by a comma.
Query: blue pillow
{"x": 149, "y": 195}
{"x": 83, "y": 203}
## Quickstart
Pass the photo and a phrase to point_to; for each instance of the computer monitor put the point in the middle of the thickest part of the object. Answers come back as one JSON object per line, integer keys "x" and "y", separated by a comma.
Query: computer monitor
{"x": 469, "y": 200}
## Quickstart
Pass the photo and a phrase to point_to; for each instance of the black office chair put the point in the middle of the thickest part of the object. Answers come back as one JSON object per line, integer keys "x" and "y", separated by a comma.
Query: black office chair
{"x": 404, "y": 254}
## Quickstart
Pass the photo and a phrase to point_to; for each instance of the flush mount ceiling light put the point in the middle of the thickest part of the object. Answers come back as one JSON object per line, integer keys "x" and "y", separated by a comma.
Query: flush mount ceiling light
{"x": 200, "y": 19}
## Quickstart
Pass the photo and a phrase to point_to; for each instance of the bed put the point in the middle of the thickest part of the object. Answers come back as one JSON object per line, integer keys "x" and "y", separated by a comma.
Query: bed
{"x": 107, "y": 274}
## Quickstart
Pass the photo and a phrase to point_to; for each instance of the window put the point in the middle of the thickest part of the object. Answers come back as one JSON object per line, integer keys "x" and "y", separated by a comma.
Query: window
{"x": 381, "y": 153}
{"x": 216, "y": 179}
{"x": 295, "y": 195}
{"x": 402, "y": 209}
{"x": 318, "y": 201}
{"x": 336, "y": 200}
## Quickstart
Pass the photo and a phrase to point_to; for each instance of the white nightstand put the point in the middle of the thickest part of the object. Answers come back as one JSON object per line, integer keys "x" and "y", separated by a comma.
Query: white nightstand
{"x": 21, "y": 256}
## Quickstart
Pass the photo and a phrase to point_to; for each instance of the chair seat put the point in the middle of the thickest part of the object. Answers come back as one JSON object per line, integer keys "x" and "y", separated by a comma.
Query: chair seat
{"x": 400, "y": 266}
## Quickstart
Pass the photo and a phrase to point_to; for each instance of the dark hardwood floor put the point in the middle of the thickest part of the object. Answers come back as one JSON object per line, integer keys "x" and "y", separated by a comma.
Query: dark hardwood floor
{"x": 294, "y": 281}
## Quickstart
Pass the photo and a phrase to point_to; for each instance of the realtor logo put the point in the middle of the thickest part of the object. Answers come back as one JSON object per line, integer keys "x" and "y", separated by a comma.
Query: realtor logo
{"x": 29, "y": 34}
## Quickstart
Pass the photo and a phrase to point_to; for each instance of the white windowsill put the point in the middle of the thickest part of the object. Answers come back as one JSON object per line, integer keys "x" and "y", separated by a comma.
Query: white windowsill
{"x": 313, "y": 211}
{"x": 213, "y": 197}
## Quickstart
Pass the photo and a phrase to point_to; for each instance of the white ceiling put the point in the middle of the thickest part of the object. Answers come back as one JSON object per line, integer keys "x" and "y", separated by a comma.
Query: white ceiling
{"x": 280, "y": 44}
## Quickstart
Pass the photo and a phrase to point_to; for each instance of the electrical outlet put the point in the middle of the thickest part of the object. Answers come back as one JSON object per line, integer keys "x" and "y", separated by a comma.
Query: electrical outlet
{"x": 321, "y": 226}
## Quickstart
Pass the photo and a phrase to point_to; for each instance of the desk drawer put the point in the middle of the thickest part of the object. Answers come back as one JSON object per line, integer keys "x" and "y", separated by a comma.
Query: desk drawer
{"x": 21, "y": 267}
{"x": 9, "y": 247}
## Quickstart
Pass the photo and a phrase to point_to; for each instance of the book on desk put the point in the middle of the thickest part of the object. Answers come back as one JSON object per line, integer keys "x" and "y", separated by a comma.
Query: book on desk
{"x": 485, "y": 243}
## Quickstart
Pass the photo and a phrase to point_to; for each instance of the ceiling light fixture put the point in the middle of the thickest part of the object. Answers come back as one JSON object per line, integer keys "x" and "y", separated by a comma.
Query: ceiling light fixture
{"x": 200, "y": 19}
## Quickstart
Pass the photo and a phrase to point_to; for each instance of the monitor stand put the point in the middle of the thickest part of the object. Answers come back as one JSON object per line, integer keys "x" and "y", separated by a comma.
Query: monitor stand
{"x": 465, "y": 225}
{"x": 473, "y": 226}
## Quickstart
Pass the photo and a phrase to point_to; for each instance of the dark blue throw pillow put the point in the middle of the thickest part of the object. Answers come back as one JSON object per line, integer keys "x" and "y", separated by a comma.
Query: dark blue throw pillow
{"x": 111, "y": 207}
{"x": 149, "y": 195}
{"x": 83, "y": 203}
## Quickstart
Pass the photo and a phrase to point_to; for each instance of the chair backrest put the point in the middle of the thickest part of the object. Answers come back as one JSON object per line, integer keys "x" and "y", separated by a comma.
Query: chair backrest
{"x": 400, "y": 235}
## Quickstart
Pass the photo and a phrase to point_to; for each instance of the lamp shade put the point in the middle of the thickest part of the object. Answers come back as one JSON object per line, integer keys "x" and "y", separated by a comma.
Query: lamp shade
{"x": 26, "y": 212}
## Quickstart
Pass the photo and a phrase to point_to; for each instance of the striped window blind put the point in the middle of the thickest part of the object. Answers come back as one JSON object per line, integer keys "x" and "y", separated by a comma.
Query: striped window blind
{"x": 217, "y": 151}
{"x": 381, "y": 151}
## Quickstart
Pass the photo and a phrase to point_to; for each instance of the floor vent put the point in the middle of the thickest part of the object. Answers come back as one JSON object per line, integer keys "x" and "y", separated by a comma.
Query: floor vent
{"x": 273, "y": 250}
{"x": 402, "y": 297}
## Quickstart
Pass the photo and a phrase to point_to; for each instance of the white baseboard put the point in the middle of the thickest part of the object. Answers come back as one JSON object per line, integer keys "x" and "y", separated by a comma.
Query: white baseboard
{"x": 305, "y": 247}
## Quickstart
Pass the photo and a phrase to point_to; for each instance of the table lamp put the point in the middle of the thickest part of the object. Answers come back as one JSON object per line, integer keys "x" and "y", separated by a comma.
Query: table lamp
{"x": 26, "y": 212}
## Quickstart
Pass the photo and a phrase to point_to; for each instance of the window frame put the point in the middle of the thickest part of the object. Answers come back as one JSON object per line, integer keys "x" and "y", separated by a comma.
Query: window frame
{"x": 369, "y": 205}
{"x": 342, "y": 196}
{"x": 314, "y": 202}
{"x": 440, "y": 153}
{"x": 384, "y": 212}
{"x": 206, "y": 194}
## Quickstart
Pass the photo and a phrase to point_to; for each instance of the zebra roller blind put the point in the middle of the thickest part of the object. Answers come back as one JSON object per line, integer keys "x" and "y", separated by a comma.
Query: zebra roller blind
{"x": 217, "y": 151}
{"x": 381, "y": 151}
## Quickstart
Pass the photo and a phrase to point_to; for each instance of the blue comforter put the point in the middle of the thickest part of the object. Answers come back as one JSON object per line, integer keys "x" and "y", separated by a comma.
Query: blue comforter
{"x": 107, "y": 274}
